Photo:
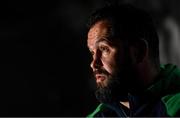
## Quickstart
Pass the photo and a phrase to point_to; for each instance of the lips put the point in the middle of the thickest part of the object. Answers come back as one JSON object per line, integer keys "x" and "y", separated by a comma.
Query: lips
{"x": 100, "y": 78}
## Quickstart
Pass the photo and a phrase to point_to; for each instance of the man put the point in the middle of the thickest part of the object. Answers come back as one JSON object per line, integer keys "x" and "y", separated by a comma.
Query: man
{"x": 125, "y": 62}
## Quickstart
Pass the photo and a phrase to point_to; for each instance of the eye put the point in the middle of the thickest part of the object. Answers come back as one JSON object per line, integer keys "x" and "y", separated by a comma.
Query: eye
{"x": 104, "y": 49}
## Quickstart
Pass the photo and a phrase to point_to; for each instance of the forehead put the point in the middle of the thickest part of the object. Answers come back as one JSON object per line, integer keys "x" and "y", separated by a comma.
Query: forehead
{"x": 97, "y": 32}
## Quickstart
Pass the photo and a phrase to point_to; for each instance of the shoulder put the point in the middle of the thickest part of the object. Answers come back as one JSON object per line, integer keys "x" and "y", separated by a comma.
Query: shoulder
{"x": 172, "y": 104}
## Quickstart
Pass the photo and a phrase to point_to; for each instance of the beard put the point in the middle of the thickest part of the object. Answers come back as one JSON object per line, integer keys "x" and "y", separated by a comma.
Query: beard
{"x": 118, "y": 86}
{"x": 115, "y": 89}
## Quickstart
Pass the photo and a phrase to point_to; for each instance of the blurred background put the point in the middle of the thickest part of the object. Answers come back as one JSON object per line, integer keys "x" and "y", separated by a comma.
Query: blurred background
{"x": 44, "y": 68}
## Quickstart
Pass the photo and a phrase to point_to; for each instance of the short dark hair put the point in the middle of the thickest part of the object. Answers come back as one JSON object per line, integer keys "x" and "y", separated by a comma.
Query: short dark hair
{"x": 129, "y": 23}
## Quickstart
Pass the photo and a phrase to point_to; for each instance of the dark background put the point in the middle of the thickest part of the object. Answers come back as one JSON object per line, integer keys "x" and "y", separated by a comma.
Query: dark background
{"x": 44, "y": 69}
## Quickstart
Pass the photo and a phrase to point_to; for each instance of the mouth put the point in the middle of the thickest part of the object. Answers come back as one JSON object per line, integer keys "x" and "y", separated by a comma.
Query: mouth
{"x": 100, "y": 78}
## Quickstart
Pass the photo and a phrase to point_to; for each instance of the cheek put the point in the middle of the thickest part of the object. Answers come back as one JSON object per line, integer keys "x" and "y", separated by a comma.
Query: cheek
{"x": 109, "y": 64}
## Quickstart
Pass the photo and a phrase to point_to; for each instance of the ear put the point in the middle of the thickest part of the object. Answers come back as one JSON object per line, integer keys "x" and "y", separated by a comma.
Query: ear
{"x": 139, "y": 51}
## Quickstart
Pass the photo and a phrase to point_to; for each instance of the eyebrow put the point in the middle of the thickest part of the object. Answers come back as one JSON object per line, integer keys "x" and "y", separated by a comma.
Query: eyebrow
{"x": 102, "y": 40}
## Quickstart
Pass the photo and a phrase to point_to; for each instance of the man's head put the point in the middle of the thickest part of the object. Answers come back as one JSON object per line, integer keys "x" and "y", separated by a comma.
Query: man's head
{"x": 122, "y": 41}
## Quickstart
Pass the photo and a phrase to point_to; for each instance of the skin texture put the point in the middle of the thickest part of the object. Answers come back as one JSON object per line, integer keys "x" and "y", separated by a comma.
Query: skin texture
{"x": 104, "y": 53}
{"x": 110, "y": 64}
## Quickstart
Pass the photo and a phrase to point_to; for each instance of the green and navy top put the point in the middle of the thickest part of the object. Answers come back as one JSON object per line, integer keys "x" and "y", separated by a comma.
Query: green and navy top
{"x": 162, "y": 99}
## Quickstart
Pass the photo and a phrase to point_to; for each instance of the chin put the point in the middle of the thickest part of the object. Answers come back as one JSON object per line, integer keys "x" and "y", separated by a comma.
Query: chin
{"x": 111, "y": 90}
{"x": 103, "y": 84}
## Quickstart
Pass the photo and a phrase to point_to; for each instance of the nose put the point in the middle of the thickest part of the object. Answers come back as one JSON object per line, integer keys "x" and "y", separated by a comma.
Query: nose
{"x": 96, "y": 62}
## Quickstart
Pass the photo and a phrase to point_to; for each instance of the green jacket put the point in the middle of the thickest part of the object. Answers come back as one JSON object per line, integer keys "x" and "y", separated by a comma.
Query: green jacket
{"x": 160, "y": 99}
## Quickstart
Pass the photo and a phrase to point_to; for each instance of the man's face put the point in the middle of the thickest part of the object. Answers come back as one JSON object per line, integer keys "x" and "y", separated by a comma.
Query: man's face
{"x": 103, "y": 52}
{"x": 108, "y": 59}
